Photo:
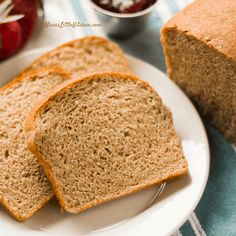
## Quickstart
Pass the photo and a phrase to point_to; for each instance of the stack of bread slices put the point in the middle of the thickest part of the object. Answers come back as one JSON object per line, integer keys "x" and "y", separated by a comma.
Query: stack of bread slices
{"x": 77, "y": 124}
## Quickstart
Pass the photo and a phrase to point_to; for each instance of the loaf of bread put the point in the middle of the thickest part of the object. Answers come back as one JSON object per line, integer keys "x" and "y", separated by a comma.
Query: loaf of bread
{"x": 24, "y": 187}
{"x": 200, "y": 49}
{"x": 83, "y": 56}
{"x": 102, "y": 137}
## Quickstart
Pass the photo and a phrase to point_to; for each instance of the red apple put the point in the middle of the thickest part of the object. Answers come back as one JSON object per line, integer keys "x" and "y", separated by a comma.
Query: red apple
{"x": 10, "y": 39}
{"x": 29, "y": 9}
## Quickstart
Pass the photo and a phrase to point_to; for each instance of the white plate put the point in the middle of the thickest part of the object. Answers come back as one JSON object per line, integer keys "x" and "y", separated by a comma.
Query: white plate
{"x": 131, "y": 215}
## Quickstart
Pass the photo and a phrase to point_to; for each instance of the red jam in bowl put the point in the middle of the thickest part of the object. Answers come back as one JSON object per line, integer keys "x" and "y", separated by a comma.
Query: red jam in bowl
{"x": 124, "y": 6}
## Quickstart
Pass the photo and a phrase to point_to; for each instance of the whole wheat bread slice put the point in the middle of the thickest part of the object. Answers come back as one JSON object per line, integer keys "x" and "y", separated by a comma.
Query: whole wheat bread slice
{"x": 102, "y": 137}
{"x": 84, "y": 56}
{"x": 24, "y": 187}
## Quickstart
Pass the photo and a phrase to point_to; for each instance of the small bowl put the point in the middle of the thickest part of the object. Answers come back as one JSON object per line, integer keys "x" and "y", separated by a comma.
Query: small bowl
{"x": 122, "y": 25}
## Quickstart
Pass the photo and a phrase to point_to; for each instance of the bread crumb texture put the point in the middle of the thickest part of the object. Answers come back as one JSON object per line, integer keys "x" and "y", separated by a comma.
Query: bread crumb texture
{"x": 24, "y": 186}
{"x": 106, "y": 137}
{"x": 85, "y": 56}
{"x": 199, "y": 46}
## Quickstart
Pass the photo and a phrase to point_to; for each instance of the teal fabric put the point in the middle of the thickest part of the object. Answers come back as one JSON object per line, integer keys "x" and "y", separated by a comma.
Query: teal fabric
{"x": 187, "y": 229}
{"x": 216, "y": 211}
{"x": 217, "y": 208}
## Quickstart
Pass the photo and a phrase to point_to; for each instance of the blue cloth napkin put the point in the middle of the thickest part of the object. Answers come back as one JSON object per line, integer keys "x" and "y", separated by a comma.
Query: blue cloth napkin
{"x": 215, "y": 215}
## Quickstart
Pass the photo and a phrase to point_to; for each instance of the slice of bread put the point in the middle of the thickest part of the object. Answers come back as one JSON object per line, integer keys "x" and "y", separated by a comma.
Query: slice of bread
{"x": 24, "y": 187}
{"x": 84, "y": 56}
{"x": 102, "y": 137}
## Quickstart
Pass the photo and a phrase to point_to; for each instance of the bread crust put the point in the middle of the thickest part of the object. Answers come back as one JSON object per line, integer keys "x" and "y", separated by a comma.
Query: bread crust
{"x": 197, "y": 19}
{"x": 195, "y": 22}
{"x": 20, "y": 217}
{"x": 81, "y": 41}
{"x": 30, "y": 129}
{"x": 29, "y": 75}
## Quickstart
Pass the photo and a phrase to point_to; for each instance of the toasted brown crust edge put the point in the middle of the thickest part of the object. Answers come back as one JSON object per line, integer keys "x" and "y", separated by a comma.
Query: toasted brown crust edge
{"x": 169, "y": 28}
{"x": 30, "y": 129}
{"x": 28, "y": 75}
{"x": 34, "y": 72}
{"x": 98, "y": 39}
{"x": 20, "y": 217}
